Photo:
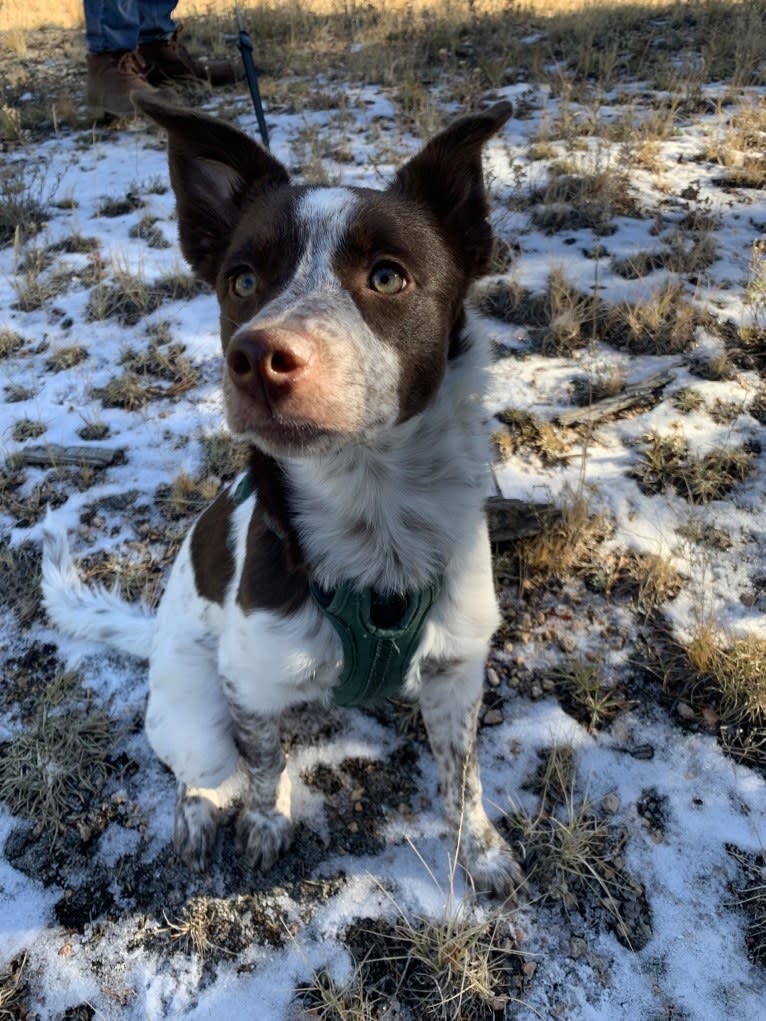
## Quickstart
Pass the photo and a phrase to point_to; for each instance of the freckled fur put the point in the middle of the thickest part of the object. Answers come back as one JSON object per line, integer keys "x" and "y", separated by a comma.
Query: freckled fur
{"x": 373, "y": 471}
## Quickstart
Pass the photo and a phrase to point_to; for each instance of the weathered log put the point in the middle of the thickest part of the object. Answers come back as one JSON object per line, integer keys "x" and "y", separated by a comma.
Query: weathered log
{"x": 54, "y": 455}
{"x": 632, "y": 395}
{"x": 510, "y": 520}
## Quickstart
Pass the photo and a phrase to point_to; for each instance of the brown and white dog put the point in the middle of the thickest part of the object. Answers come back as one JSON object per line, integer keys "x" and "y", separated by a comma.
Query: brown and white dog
{"x": 355, "y": 369}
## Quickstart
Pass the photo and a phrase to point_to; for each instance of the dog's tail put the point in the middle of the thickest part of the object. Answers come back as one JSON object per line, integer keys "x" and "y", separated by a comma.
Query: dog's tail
{"x": 90, "y": 612}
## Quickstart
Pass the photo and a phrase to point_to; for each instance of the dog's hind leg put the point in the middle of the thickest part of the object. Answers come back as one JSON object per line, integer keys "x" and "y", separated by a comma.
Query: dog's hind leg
{"x": 450, "y": 696}
{"x": 264, "y": 826}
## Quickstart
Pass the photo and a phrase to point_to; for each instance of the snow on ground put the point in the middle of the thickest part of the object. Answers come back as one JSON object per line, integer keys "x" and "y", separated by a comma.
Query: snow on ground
{"x": 121, "y": 954}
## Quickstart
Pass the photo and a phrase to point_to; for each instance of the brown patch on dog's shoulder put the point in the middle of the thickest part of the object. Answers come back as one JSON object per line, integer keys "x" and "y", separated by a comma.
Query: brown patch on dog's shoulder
{"x": 274, "y": 575}
{"x": 269, "y": 580}
{"x": 212, "y": 560}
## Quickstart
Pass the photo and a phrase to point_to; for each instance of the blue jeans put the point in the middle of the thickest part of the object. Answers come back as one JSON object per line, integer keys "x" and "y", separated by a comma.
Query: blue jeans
{"x": 123, "y": 24}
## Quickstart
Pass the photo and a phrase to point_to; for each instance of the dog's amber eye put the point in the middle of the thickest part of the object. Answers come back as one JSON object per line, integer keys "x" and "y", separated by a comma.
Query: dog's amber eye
{"x": 387, "y": 279}
{"x": 244, "y": 284}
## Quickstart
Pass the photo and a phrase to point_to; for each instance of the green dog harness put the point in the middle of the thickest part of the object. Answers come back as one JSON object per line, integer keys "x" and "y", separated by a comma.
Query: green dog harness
{"x": 379, "y": 635}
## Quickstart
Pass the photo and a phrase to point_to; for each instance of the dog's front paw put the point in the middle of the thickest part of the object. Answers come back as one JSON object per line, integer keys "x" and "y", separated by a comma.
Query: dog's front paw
{"x": 494, "y": 870}
{"x": 263, "y": 836}
{"x": 489, "y": 862}
{"x": 196, "y": 824}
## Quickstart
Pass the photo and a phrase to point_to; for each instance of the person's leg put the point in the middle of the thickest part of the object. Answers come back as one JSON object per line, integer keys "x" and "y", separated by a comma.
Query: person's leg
{"x": 115, "y": 69}
{"x": 112, "y": 26}
{"x": 156, "y": 19}
{"x": 166, "y": 57}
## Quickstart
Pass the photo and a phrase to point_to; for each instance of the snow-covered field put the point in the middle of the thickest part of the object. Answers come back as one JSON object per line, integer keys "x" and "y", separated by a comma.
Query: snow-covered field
{"x": 97, "y": 918}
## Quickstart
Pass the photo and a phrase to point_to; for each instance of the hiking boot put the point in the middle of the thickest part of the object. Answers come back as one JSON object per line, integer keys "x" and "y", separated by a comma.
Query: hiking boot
{"x": 111, "y": 79}
{"x": 169, "y": 58}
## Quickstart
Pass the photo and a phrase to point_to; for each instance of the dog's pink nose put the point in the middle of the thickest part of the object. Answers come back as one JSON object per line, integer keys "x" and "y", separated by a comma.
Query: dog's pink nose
{"x": 272, "y": 358}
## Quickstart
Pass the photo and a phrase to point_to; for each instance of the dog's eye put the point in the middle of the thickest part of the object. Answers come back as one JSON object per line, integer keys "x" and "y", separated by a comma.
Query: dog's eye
{"x": 387, "y": 279}
{"x": 244, "y": 284}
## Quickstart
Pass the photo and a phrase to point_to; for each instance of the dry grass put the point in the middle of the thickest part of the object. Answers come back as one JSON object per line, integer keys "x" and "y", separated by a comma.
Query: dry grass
{"x": 12, "y": 983}
{"x": 50, "y": 772}
{"x": 589, "y": 697}
{"x": 565, "y": 545}
{"x": 723, "y": 678}
{"x": 527, "y": 432}
{"x": 665, "y": 462}
{"x": 569, "y": 853}
{"x": 439, "y": 969}
{"x": 752, "y": 898}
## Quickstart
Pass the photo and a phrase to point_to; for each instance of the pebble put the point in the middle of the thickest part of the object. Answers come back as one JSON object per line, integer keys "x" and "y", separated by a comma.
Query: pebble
{"x": 685, "y": 711}
{"x": 577, "y": 947}
{"x": 536, "y": 690}
{"x": 567, "y": 643}
{"x": 549, "y": 685}
{"x": 492, "y": 717}
{"x": 610, "y": 803}
{"x": 492, "y": 678}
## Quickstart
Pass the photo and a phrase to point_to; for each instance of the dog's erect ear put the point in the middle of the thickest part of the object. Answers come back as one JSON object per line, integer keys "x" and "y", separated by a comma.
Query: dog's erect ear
{"x": 213, "y": 167}
{"x": 446, "y": 176}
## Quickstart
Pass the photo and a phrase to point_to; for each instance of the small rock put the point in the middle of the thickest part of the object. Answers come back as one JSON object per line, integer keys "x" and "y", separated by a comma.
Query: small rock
{"x": 610, "y": 803}
{"x": 508, "y": 648}
{"x": 353, "y": 827}
{"x": 536, "y": 690}
{"x": 492, "y": 678}
{"x": 748, "y": 598}
{"x": 549, "y": 685}
{"x": 567, "y": 643}
{"x": 529, "y": 968}
{"x": 492, "y": 717}
{"x": 685, "y": 711}
{"x": 577, "y": 947}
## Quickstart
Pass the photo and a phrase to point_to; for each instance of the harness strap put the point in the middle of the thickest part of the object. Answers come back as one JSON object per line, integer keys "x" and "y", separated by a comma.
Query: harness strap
{"x": 379, "y": 635}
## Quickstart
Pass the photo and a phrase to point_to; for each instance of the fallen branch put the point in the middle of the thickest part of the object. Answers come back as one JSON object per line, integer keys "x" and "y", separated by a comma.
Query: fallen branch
{"x": 53, "y": 455}
{"x": 637, "y": 393}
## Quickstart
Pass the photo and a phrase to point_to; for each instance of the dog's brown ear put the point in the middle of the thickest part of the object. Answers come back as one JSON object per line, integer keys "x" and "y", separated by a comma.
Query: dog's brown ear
{"x": 446, "y": 176}
{"x": 213, "y": 169}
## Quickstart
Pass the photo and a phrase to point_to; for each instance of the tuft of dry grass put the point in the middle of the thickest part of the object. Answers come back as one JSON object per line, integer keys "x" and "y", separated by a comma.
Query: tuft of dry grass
{"x": 588, "y": 696}
{"x": 27, "y": 429}
{"x": 66, "y": 357}
{"x": 440, "y": 969}
{"x": 572, "y": 859}
{"x": 10, "y": 343}
{"x": 23, "y": 199}
{"x": 189, "y": 495}
{"x": 665, "y": 462}
{"x": 527, "y": 432}
{"x": 50, "y": 772}
{"x": 125, "y": 391}
{"x": 167, "y": 362}
{"x": 565, "y": 544}
{"x": 717, "y": 682}
{"x": 12, "y": 987}
{"x": 752, "y": 899}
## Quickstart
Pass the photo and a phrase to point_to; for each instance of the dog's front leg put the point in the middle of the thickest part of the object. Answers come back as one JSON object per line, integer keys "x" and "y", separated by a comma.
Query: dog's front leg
{"x": 264, "y": 826}
{"x": 450, "y": 697}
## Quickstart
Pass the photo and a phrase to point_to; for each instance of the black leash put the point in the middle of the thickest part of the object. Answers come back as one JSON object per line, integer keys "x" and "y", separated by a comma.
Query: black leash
{"x": 246, "y": 50}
